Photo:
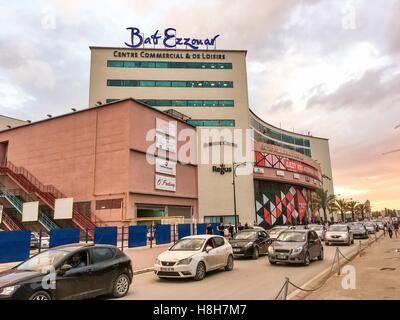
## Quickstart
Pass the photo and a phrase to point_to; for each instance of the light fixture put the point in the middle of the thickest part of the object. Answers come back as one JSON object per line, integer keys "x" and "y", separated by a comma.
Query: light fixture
{"x": 49, "y": 115}
{"x": 73, "y": 109}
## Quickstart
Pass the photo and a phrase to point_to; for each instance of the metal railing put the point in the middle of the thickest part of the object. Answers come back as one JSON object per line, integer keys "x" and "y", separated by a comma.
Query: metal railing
{"x": 9, "y": 223}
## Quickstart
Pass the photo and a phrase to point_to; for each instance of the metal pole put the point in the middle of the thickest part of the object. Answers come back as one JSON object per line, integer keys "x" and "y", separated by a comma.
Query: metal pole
{"x": 174, "y": 232}
{"x": 234, "y": 197}
{"x": 285, "y": 292}
{"x": 151, "y": 235}
{"x": 122, "y": 240}
{"x": 338, "y": 260}
{"x": 40, "y": 240}
{"x": 87, "y": 235}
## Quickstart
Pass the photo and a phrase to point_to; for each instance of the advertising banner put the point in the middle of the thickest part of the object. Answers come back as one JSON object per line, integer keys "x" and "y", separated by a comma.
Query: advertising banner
{"x": 30, "y": 211}
{"x": 165, "y": 166}
{"x": 165, "y": 183}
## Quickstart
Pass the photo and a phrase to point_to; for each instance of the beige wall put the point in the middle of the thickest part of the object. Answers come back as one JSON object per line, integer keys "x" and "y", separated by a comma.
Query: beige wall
{"x": 7, "y": 121}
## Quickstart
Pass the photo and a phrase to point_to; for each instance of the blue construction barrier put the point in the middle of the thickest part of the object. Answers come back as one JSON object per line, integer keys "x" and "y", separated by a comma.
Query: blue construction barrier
{"x": 163, "y": 233}
{"x": 215, "y": 228}
{"x": 59, "y": 237}
{"x": 183, "y": 230}
{"x": 137, "y": 236}
{"x": 14, "y": 245}
{"x": 106, "y": 235}
{"x": 201, "y": 228}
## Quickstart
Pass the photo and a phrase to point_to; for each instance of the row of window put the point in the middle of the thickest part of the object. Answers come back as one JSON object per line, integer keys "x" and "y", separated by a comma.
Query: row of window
{"x": 184, "y": 103}
{"x": 169, "y": 83}
{"x": 278, "y": 135}
{"x": 211, "y": 123}
{"x": 259, "y": 137}
{"x": 168, "y": 65}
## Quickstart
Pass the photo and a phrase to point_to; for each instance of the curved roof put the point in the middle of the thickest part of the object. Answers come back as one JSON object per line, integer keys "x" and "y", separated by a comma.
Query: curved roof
{"x": 283, "y": 130}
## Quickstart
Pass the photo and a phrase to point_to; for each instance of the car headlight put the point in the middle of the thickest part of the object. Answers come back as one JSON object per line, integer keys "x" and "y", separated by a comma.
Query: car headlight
{"x": 297, "y": 250}
{"x": 344, "y": 235}
{"x": 271, "y": 249}
{"x": 7, "y": 291}
{"x": 185, "y": 261}
{"x": 158, "y": 261}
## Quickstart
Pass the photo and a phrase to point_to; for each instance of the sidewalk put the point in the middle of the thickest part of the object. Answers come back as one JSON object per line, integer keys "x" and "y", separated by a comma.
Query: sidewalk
{"x": 142, "y": 257}
{"x": 377, "y": 275}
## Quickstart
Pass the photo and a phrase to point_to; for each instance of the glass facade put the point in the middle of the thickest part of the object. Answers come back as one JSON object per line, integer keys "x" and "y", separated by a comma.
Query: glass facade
{"x": 218, "y": 219}
{"x": 167, "y": 65}
{"x": 303, "y": 144}
{"x": 169, "y": 83}
{"x": 211, "y": 123}
{"x": 184, "y": 103}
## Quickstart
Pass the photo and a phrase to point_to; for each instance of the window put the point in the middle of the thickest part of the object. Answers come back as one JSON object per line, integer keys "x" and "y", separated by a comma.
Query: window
{"x": 211, "y": 123}
{"x": 219, "y": 242}
{"x": 101, "y": 254}
{"x": 109, "y": 204}
{"x": 184, "y": 103}
{"x": 218, "y": 219}
{"x": 82, "y": 207}
{"x": 167, "y": 65}
{"x": 169, "y": 83}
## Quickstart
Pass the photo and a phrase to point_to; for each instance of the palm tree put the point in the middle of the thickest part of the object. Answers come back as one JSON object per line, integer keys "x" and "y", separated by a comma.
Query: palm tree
{"x": 352, "y": 208}
{"x": 342, "y": 206}
{"x": 324, "y": 201}
{"x": 361, "y": 209}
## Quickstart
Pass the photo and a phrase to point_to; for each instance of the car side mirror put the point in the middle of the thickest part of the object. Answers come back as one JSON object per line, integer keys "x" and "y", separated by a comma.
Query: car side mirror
{"x": 65, "y": 268}
{"x": 208, "y": 249}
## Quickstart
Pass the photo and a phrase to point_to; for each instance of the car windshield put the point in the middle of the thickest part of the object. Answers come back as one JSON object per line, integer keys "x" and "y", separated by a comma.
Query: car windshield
{"x": 369, "y": 224}
{"x": 357, "y": 226}
{"x": 337, "y": 228}
{"x": 42, "y": 260}
{"x": 245, "y": 235}
{"x": 276, "y": 230}
{"x": 316, "y": 227}
{"x": 292, "y": 237}
{"x": 188, "y": 245}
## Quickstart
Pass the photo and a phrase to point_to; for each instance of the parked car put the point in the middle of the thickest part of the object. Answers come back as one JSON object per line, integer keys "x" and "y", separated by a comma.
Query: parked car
{"x": 276, "y": 231}
{"x": 80, "y": 271}
{"x": 370, "y": 226}
{"x": 359, "y": 231}
{"x": 380, "y": 225}
{"x": 319, "y": 229}
{"x": 296, "y": 246}
{"x": 339, "y": 234}
{"x": 250, "y": 243}
{"x": 44, "y": 240}
{"x": 194, "y": 256}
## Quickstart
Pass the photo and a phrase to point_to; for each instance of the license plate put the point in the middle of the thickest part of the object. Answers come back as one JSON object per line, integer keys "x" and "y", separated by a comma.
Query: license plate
{"x": 167, "y": 269}
{"x": 282, "y": 257}
{"x": 236, "y": 250}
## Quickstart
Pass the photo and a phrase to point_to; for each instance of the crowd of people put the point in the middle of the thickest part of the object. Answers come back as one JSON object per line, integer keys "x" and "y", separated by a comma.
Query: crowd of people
{"x": 228, "y": 231}
{"x": 391, "y": 227}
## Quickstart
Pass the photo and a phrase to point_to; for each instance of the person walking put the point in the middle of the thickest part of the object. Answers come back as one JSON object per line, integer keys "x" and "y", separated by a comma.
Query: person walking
{"x": 221, "y": 229}
{"x": 231, "y": 230}
{"x": 240, "y": 227}
{"x": 390, "y": 229}
{"x": 384, "y": 229}
{"x": 396, "y": 228}
{"x": 209, "y": 229}
{"x": 246, "y": 226}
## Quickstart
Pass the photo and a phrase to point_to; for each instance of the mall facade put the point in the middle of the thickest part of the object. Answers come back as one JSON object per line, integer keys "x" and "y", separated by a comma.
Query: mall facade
{"x": 97, "y": 155}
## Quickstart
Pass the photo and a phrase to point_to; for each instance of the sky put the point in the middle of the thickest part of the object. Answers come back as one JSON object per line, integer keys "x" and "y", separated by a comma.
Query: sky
{"x": 327, "y": 67}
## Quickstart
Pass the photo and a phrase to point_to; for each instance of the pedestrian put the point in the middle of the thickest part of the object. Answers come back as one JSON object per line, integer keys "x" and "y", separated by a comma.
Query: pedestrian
{"x": 209, "y": 229}
{"x": 240, "y": 227}
{"x": 396, "y": 228}
{"x": 390, "y": 229}
{"x": 221, "y": 229}
{"x": 231, "y": 230}
{"x": 246, "y": 226}
{"x": 384, "y": 229}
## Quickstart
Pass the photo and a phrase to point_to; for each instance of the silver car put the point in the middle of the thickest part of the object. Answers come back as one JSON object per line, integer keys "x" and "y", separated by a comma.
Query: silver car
{"x": 319, "y": 229}
{"x": 370, "y": 226}
{"x": 339, "y": 234}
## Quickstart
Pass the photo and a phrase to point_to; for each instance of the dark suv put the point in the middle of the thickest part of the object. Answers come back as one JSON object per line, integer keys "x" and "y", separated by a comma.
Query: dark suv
{"x": 296, "y": 246}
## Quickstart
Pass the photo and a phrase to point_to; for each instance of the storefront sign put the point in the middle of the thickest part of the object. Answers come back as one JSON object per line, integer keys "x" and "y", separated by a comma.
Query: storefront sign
{"x": 165, "y": 166}
{"x": 165, "y": 183}
{"x": 165, "y": 143}
{"x": 258, "y": 170}
{"x": 280, "y": 173}
{"x": 169, "y": 39}
{"x": 221, "y": 169}
{"x": 166, "y": 127}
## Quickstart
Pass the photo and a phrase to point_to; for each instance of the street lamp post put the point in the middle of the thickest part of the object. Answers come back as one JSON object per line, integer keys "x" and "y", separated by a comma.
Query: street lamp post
{"x": 235, "y": 166}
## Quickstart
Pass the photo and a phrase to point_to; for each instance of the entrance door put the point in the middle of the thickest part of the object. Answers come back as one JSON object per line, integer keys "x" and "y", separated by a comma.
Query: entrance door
{"x": 3, "y": 153}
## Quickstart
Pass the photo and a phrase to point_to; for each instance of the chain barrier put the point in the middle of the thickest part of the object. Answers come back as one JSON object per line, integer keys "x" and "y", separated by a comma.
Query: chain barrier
{"x": 336, "y": 259}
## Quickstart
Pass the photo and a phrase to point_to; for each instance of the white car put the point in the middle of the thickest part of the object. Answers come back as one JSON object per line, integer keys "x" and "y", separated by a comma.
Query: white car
{"x": 339, "y": 233}
{"x": 193, "y": 256}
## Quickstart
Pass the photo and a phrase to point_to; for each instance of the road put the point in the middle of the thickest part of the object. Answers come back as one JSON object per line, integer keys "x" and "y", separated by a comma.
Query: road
{"x": 249, "y": 280}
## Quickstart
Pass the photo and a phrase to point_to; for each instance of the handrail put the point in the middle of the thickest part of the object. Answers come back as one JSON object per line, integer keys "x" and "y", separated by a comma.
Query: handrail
{"x": 9, "y": 223}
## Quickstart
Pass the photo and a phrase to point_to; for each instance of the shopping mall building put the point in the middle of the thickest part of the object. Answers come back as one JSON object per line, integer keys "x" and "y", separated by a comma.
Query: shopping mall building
{"x": 93, "y": 156}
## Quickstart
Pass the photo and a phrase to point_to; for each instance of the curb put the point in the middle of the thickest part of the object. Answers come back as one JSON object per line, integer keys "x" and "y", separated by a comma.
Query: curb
{"x": 146, "y": 270}
{"x": 319, "y": 276}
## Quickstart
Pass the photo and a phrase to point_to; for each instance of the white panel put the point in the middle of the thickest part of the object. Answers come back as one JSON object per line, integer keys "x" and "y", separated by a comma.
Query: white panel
{"x": 165, "y": 183}
{"x": 166, "y": 166}
{"x": 280, "y": 173}
{"x": 258, "y": 206}
{"x": 259, "y": 219}
{"x": 63, "y": 208}
{"x": 265, "y": 199}
{"x": 30, "y": 211}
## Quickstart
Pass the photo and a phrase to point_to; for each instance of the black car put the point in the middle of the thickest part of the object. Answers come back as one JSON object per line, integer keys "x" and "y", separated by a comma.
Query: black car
{"x": 250, "y": 243}
{"x": 359, "y": 231}
{"x": 296, "y": 246}
{"x": 69, "y": 272}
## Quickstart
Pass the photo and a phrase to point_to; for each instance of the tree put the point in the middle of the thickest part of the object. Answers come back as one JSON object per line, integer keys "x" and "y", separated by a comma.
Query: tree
{"x": 342, "y": 205}
{"x": 324, "y": 201}
{"x": 361, "y": 209}
{"x": 352, "y": 208}
{"x": 368, "y": 208}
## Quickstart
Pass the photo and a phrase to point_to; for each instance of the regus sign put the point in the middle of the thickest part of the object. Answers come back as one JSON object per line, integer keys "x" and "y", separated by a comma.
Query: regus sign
{"x": 169, "y": 39}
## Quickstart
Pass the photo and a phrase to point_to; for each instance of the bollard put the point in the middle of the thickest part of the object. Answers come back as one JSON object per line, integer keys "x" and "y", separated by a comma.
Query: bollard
{"x": 359, "y": 247}
{"x": 338, "y": 260}
{"x": 122, "y": 239}
{"x": 285, "y": 292}
{"x": 151, "y": 236}
{"x": 40, "y": 241}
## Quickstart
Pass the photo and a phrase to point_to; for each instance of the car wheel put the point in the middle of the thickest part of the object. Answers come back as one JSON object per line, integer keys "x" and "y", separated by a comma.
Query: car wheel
{"x": 40, "y": 295}
{"x": 121, "y": 286}
{"x": 256, "y": 253}
{"x": 200, "y": 271}
{"x": 271, "y": 262}
{"x": 352, "y": 241}
{"x": 307, "y": 259}
{"x": 229, "y": 264}
{"x": 321, "y": 255}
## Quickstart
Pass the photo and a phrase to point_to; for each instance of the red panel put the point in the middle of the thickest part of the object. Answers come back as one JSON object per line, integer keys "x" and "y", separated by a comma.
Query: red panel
{"x": 260, "y": 160}
{"x": 277, "y": 200}
{"x": 267, "y": 216}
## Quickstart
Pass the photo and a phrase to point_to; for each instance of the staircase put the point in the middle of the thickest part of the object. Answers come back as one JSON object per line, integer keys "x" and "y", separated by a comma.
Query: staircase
{"x": 17, "y": 203}
{"x": 9, "y": 223}
{"x": 47, "y": 193}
